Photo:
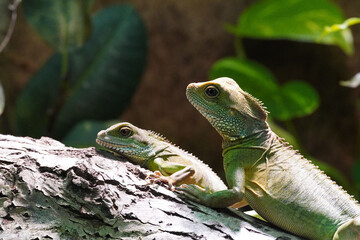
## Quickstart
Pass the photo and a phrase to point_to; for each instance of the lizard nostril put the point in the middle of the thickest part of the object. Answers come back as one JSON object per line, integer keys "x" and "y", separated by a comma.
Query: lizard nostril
{"x": 102, "y": 132}
{"x": 191, "y": 86}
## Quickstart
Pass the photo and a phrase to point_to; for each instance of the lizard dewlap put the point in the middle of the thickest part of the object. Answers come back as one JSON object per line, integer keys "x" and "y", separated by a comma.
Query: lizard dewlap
{"x": 276, "y": 181}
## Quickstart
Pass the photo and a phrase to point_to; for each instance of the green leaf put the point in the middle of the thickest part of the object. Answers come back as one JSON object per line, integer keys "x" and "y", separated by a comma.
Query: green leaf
{"x": 339, "y": 27}
{"x": 293, "y": 99}
{"x": 107, "y": 70}
{"x": 65, "y": 25}
{"x": 102, "y": 77}
{"x": 356, "y": 175}
{"x": 2, "y": 99}
{"x": 248, "y": 74}
{"x": 38, "y": 100}
{"x": 354, "y": 82}
{"x": 84, "y": 133}
{"x": 299, "y": 20}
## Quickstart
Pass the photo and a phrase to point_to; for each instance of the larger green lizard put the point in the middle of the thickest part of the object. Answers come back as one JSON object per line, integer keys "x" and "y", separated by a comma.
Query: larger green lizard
{"x": 276, "y": 181}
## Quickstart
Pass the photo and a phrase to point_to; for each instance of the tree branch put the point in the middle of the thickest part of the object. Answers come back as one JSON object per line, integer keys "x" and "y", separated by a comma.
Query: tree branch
{"x": 51, "y": 191}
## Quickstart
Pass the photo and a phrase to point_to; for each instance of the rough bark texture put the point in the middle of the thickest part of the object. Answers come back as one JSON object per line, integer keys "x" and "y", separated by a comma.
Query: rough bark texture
{"x": 49, "y": 191}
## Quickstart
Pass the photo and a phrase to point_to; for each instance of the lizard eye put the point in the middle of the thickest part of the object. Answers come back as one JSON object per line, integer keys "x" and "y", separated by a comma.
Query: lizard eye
{"x": 212, "y": 92}
{"x": 125, "y": 131}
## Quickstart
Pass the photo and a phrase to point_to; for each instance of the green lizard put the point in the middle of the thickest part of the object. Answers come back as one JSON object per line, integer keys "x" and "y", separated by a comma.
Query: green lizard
{"x": 171, "y": 164}
{"x": 276, "y": 181}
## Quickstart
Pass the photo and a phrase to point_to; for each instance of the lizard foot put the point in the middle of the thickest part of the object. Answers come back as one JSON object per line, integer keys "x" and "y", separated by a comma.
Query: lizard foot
{"x": 156, "y": 177}
{"x": 193, "y": 193}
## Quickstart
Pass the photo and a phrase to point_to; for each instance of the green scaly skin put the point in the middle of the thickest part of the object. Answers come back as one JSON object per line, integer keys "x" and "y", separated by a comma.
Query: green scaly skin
{"x": 276, "y": 181}
{"x": 154, "y": 152}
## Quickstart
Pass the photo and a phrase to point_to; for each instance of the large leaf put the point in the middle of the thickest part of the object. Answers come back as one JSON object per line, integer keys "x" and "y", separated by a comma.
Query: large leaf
{"x": 5, "y": 16}
{"x": 107, "y": 70}
{"x": 65, "y": 25}
{"x": 84, "y": 133}
{"x": 300, "y": 20}
{"x": 37, "y": 102}
{"x": 339, "y": 27}
{"x": 102, "y": 77}
{"x": 356, "y": 175}
{"x": 248, "y": 74}
{"x": 293, "y": 99}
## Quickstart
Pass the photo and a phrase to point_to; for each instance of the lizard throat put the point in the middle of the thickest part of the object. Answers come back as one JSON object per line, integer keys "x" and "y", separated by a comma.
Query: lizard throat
{"x": 135, "y": 154}
{"x": 202, "y": 108}
{"x": 227, "y": 126}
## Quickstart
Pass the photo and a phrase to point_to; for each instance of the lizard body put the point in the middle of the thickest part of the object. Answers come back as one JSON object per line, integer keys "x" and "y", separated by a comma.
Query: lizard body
{"x": 276, "y": 181}
{"x": 156, "y": 153}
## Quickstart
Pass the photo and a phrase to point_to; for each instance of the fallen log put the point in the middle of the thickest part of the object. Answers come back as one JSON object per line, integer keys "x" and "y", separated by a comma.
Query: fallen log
{"x": 50, "y": 191}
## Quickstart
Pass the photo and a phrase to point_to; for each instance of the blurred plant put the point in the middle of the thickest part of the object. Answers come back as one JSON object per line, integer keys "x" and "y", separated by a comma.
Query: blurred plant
{"x": 8, "y": 17}
{"x": 356, "y": 175}
{"x": 69, "y": 20}
{"x": 293, "y": 99}
{"x": 84, "y": 133}
{"x": 293, "y": 20}
{"x": 93, "y": 77}
{"x": 354, "y": 82}
{"x": 339, "y": 27}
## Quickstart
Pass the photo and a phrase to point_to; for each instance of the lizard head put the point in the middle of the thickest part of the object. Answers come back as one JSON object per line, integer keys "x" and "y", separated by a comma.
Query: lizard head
{"x": 234, "y": 113}
{"x": 127, "y": 140}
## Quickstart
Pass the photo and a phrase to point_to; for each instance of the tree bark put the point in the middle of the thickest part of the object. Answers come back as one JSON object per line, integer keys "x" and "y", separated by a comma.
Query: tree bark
{"x": 50, "y": 191}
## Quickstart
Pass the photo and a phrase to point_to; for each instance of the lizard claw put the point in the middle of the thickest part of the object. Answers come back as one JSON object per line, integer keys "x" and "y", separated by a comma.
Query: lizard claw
{"x": 157, "y": 177}
{"x": 192, "y": 192}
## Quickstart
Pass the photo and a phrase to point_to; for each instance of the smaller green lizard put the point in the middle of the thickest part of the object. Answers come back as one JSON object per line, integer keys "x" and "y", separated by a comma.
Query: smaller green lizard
{"x": 154, "y": 152}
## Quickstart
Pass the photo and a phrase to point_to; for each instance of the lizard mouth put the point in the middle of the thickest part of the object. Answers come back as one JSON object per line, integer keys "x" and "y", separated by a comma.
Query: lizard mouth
{"x": 123, "y": 150}
{"x": 111, "y": 146}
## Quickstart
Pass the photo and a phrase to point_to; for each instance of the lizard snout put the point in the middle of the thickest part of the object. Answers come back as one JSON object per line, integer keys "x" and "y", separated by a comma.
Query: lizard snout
{"x": 191, "y": 86}
{"x": 101, "y": 133}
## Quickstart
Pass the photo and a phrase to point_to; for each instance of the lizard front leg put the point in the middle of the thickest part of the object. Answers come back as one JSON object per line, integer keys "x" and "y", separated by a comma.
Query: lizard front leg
{"x": 174, "y": 179}
{"x": 162, "y": 169}
{"x": 349, "y": 230}
{"x": 218, "y": 199}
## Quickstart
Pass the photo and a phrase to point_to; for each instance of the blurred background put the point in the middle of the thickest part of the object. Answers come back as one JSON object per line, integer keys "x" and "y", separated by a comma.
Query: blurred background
{"x": 73, "y": 68}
